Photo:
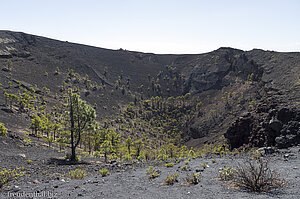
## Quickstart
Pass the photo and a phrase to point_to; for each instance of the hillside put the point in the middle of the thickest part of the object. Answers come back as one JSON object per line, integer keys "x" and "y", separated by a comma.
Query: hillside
{"x": 225, "y": 84}
{"x": 203, "y": 124}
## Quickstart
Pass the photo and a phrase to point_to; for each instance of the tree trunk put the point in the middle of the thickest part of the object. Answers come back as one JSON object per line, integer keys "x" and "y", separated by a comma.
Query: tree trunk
{"x": 105, "y": 157}
{"x": 73, "y": 154}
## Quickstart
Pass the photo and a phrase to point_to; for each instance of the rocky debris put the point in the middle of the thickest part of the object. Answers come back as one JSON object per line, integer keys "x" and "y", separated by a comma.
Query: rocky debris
{"x": 266, "y": 150}
{"x": 238, "y": 134}
{"x": 285, "y": 114}
{"x": 274, "y": 127}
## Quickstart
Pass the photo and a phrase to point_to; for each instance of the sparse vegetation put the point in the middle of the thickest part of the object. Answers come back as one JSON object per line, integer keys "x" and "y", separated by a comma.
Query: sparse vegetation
{"x": 146, "y": 117}
{"x": 8, "y": 175}
{"x": 153, "y": 174}
{"x": 204, "y": 165}
{"x": 171, "y": 179}
{"x": 77, "y": 174}
{"x": 192, "y": 179}
{"x": 29, "y": 161}
{"x": 104, "y": 172}
{"x": 227, "y": 173}
{"x": 257, "y": 176}
{"x": 3, "y": 130}
{"x": 183, "y": 168}
{"x": 170, "y": 164}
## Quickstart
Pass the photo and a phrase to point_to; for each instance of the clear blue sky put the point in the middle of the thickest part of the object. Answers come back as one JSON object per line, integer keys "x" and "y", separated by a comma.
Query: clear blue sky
{"x": 160, "y": 26}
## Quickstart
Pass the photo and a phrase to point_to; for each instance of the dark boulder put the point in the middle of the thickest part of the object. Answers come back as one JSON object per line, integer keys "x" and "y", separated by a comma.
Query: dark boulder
{"x": 238, "y": 133}
{"x": 285, "y": 114}
{"x": 275, "y": 125}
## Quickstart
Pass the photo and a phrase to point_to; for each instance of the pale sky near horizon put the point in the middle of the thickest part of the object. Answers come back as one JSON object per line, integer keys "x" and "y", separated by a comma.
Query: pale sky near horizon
{"x": 160, "y": 26}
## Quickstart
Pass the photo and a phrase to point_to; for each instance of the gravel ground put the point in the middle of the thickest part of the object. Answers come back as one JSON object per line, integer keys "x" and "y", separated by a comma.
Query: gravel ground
{"x": 130, "y": 181}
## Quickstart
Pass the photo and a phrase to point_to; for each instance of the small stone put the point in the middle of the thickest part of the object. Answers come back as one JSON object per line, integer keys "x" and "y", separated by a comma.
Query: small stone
{"x": 22, "y": 155}
{"x": 35, "y": 181}
{"x": 286, "y": 155}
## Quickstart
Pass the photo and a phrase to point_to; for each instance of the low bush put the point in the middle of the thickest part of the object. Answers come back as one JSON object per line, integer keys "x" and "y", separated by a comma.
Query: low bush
{"x": 183, "y": 168}
{"x": 150, "y": 169}
{"x": 256, "y": 176}
{"x": 8, "y": 175}
{"x": 3, "y": 130}
{"x": 29, "y": 161}
{"x": 97, "y": 154}
{"x": 204, "y": 165}
{"x": 227, "y": 173}
{"x": 104, "y": 172}
{"x": 171, "y": 179}
{"x": 192, "y": 179}
{"x": 170, "y": 164}
{"x": 77, "y": 174}
{"x": 153, "y": 174}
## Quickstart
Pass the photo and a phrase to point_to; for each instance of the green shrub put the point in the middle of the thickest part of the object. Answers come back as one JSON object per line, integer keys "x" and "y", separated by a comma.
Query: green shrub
{"x": 84, "y": 153}
{"x": 170, "y": 164}
{"x": 150, "y": 169}
{"x": 171, "y": 179}
{"x": 204, "y": 165}
{"x": 183, "y": 168}
{"x": 3, "y": 130}
{"x": 227, "y": 173}
{"x": 127, "y": 157}
{"x": 153, "y": 174}
{"x": 192, "y": 179}
{"x": 27, "y": 140}
{"x": 29, "y": 161}
{"x": 8, "y": 175}
{"x": 97, "y": 154}
{"x": 77, "y": 174}
{"x": 255, "y": 154}
{"x": 104, "y": 172}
